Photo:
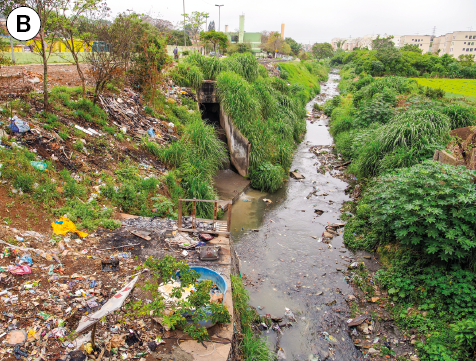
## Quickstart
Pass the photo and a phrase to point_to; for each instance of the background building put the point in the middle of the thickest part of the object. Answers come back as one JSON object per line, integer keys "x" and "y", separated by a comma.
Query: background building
{"x": 254, "y": 39}
{"x": 456, "y": 43}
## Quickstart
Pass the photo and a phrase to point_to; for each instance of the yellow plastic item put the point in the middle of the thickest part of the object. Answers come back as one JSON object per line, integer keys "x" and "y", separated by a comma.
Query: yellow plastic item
{"x": 65, "y": 227}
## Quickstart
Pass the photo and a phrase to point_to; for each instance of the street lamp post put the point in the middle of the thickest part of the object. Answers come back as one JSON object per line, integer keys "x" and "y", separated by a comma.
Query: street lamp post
{"x": 184, "y": 37}
{"x": 219, "y": 15}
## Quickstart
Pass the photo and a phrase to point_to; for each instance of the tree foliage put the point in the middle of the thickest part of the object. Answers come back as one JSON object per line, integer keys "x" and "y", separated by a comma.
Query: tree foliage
{"x": 295, "y": 46}
{"x": 215, "y": 38}
{"x": 322, "y": 50}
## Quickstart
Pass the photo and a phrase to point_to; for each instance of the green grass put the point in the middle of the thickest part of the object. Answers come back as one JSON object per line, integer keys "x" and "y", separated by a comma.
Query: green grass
{"x": 33, "y": 58}
{"x": 253, "y": 346}
{"x": 298, "y": 73}
{"x": 466, "y": 87}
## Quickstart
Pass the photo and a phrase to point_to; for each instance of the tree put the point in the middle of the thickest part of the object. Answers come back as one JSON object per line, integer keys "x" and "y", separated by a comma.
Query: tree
{"x": 70, "y": 13}
{"x": 388, "y": 55}
{"x": 295, "y": 46}
{"x": 193, "y": 23}
{"x": 411, "y": 47}
{"x": 273, "y": 43}
{"x": 106, "y": 63}
{"x": 211, "y": 25}
{"x": 162, "y": 25}
{"x": 46, "y": 10}
{"x": 380, "y": 43}
{"x": 322, "y": 50}
{"x": 215, "y": 38}
{"x": 175, "y": 37}
{"x": 466, "y": 59}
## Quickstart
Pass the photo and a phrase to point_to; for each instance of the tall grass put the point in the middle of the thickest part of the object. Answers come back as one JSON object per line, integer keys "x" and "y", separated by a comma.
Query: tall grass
{"x": 253, "y": 346}
{"x": 187, "y": 75}
{"x": 414, "y": 129}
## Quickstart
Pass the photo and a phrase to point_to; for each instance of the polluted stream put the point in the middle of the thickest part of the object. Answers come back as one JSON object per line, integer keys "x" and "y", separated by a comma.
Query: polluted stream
{"x": 284, "y": 259}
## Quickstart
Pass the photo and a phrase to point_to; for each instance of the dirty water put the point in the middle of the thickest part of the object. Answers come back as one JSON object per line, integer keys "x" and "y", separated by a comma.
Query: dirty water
{"x": 285, "y": 264}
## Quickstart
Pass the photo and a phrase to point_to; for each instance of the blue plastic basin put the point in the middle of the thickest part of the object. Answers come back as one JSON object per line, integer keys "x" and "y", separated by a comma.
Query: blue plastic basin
{"x": 216, "y": 278}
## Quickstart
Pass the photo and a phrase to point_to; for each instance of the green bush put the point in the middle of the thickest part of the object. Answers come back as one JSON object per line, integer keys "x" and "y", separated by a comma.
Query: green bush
{"x": 429, "y": 207}
{"x": 414, "y": 129}
{"x": 267, "y": 177}
{"x": 460, "y": 115}
{"x": 374, "y": 111}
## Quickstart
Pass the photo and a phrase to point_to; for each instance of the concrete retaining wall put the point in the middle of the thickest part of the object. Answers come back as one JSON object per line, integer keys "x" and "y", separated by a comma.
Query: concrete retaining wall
{"x": 238, "y": 144}
{"x": 446, "y": 158}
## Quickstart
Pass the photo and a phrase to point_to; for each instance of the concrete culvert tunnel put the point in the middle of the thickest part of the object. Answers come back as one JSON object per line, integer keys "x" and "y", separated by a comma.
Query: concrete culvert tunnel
{"x": 230, "y": 181}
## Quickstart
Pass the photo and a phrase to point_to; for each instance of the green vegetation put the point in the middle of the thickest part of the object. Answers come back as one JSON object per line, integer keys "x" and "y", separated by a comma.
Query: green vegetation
{"x": 390, "y": 61}
{"x": 252, "y": 345}
{"x": 455, "y": 86}
{"x": 269, "y": 112}
{"x": 418, "y": 214}
{"x": 32, "y": 58}
{"x": 185, "y": 313}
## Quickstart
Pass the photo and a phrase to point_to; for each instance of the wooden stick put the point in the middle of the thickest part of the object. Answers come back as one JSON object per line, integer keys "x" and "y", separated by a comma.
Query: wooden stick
{"x": 180, "y": 213}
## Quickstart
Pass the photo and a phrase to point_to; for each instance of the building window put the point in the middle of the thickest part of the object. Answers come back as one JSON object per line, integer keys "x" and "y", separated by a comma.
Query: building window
{"x": 466, "y": 37}
{"x": 470, "y": 37}
{"x": 472, "y": 43}
{"x": 463, "y": 49}
{"x": 465, "y": 43}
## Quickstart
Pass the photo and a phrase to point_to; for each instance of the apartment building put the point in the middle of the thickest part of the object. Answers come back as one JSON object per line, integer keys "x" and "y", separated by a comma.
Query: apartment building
{"x": 422, "y": 41}
{"x": 364, "y": 42}
{"x": 462, "y": 43}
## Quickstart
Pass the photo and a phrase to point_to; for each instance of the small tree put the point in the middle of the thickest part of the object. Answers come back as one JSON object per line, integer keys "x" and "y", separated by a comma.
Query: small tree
{"x": 380, "y": 43}
{"x": 273, "y": 43}
{"x": 322, "y": 50}
{"x": 107, "y": 61}
{"x": 70, "y": 14}
{"x": 193, "y": 23}
{"x": 215, "y": 38}
{"x": 295, "y": 46}
{"x": 46, "y": 10}
{"x": 411, "y": 47}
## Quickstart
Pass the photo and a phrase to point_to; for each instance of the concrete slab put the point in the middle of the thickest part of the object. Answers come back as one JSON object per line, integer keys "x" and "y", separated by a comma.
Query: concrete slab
{"x": 230, "y": 185}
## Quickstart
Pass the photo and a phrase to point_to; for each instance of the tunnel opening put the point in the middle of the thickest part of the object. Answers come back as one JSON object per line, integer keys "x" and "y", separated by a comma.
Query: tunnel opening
{"x": 211, "y": 115}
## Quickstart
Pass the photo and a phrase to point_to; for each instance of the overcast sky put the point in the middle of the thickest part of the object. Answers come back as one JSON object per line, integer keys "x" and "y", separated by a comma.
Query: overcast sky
{"x": 310, "y": 21}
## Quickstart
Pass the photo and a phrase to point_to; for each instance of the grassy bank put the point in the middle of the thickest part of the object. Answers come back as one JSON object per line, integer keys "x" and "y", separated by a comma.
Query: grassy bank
{"x": 419, "y": 215}
{"x": 32, "y": 58}
{"x": 269, "y": 111}
{"x": 251, "y": 345}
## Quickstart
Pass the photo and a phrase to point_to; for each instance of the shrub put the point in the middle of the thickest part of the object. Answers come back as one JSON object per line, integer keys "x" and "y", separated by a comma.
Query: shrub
{"x": 374, "y": 111}
{"x": 460, "y": 115}
{"x": 267, "y": 177}
{"x": 414, "y": 129}
{"x": 429, "y": 207}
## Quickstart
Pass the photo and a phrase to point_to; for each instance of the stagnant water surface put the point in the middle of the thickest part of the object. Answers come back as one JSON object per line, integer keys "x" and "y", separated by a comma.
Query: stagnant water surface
{"x": 288, "y": 266}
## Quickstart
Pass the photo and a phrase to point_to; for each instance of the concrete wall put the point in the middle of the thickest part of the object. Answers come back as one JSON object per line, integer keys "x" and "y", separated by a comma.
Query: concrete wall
{"x": 238, "y": 144}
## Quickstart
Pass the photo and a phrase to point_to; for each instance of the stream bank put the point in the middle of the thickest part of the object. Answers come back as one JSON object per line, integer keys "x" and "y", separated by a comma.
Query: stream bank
{"x": 284, "y": 260}
{"x": 292, "y": 258}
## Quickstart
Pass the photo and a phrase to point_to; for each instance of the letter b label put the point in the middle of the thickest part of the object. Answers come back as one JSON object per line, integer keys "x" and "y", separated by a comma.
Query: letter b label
{"x": 23, "y": 23}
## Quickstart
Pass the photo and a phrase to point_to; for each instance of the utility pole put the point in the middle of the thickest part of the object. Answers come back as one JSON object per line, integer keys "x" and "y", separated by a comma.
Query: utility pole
{"x": 219, "y": 15}
{"x": 184, "y": 37}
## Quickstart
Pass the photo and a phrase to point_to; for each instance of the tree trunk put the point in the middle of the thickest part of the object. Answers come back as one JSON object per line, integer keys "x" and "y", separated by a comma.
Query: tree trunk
{"x": 45, "y": 70}
{"x": 76, "y": 60}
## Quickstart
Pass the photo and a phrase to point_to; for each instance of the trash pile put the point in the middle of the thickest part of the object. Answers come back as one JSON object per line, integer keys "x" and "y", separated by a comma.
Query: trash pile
{"x": 172, "y": 92}
{"x": 53, "y": 287}
{"x": 271, "y": 68}
{"x": 127, "y": 114}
